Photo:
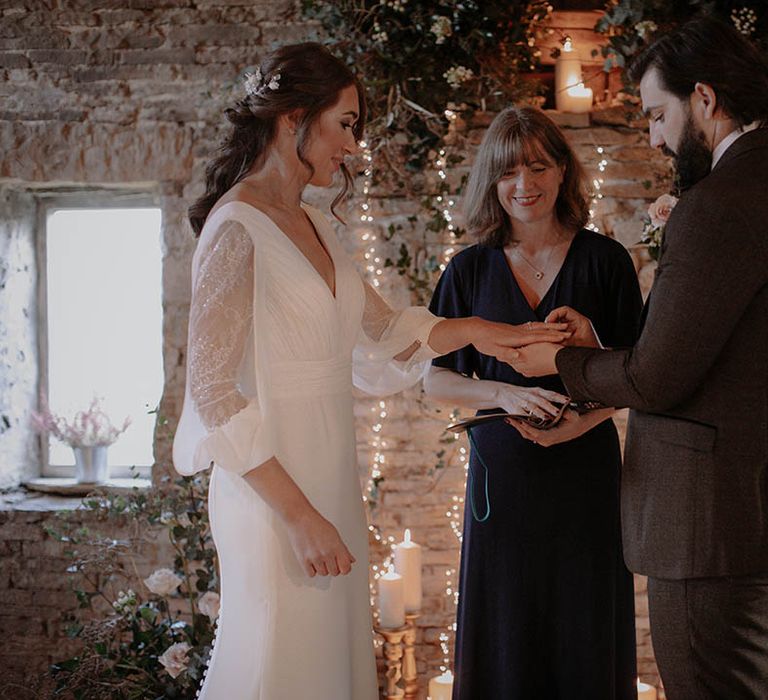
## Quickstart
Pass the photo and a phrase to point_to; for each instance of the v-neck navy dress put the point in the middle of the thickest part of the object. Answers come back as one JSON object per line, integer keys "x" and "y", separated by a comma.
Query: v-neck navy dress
{"x": 546, "y": 607}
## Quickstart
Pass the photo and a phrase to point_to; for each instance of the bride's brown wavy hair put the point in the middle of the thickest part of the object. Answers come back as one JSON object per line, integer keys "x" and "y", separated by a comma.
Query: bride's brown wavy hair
{"x": 311, "y": 79}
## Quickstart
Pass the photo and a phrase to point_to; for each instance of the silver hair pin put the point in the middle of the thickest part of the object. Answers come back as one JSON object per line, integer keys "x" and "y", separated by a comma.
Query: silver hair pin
{"x": 253, "y": 83}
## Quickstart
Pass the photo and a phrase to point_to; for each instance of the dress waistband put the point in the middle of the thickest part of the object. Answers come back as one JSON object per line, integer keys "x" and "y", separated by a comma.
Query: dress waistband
{"x": 299, "y": 378}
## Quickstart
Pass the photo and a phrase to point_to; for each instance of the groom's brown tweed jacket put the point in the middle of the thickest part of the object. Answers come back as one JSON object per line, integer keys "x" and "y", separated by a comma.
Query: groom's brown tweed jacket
{"x": 695, "y": 477}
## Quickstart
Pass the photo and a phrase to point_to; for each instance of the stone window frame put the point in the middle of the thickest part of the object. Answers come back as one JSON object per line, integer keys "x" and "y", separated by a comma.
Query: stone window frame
{"x": 76, "y": 197}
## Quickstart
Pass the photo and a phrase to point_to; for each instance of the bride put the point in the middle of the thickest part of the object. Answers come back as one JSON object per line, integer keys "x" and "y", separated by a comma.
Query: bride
{"x": 281, "y": 326}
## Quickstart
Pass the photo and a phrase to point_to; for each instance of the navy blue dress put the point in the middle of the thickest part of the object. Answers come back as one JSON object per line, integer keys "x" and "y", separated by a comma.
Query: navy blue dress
{"x": 546, "y": 606}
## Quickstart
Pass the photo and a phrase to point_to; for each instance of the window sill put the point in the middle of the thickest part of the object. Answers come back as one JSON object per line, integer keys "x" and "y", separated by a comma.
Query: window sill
{"x": 69, "y": 487}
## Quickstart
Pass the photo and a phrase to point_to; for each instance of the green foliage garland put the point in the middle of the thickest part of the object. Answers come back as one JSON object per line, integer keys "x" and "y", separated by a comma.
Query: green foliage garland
{"x": 630, "y": 25}
{"x": 420, "y": 57}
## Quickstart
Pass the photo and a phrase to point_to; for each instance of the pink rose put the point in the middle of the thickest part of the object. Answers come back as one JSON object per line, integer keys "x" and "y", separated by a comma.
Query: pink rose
{"x": 174, "y": 659}
{"x": 660, "y": 210}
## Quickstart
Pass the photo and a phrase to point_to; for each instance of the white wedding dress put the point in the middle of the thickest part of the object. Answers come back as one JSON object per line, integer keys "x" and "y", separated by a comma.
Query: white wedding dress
{"x": 271, "y": 359}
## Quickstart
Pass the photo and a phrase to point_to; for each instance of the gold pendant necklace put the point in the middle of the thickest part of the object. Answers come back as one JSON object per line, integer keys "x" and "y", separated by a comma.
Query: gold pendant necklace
{"x": 537, "y": 273}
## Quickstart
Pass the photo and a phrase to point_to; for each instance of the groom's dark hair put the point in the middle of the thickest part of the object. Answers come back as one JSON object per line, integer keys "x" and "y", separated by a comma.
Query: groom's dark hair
{"x": 707, "y": 50}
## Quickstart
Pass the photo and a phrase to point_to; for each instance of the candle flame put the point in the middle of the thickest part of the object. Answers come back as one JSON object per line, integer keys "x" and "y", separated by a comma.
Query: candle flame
{"x": 567, "y": 44}
{"x": 579, "y": 91}
{"x": 407, "y": 537}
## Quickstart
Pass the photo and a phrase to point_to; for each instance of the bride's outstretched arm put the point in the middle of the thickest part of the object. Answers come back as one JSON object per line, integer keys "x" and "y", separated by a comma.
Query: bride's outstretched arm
{"x": 381, "y": 321}
{"x": 490, "y": 338}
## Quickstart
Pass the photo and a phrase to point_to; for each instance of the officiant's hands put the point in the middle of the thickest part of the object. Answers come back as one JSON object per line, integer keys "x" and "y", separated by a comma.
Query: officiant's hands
{"x": 318, "y": 545}
{"x": 569, "y": 427}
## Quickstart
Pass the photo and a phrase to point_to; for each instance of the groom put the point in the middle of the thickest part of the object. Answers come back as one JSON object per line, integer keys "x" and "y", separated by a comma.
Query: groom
{"x": 695, "y": 479}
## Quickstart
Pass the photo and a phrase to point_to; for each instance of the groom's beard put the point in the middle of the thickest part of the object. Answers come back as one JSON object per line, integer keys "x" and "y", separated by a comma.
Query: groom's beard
{"x": 693, "y": 159}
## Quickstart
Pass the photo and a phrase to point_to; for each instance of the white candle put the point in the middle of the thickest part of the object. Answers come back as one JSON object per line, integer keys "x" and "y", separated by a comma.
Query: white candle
{"x": 645, "y": 691}
{"x": 391, "y": 600}
{"x": 441, "y": 687}
{"x": 408, "y": 565}
{"x": 580, "y": 98}
{"x": 567, "y": 75}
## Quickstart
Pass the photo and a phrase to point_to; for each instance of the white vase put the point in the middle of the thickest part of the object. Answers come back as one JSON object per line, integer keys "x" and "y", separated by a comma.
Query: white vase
{"x": 91, "y": 464}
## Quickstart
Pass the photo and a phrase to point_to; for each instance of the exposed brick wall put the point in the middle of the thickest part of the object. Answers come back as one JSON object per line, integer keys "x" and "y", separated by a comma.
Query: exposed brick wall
{"x": 37, "y": 599}
{"x": 130, "y": 93}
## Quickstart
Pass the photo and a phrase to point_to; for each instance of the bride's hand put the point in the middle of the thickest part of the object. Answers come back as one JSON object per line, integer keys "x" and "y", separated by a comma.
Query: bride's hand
{"x": 530, "y": 401}
{"x": 318, "y": 546}
{"x": 499, "y": 339}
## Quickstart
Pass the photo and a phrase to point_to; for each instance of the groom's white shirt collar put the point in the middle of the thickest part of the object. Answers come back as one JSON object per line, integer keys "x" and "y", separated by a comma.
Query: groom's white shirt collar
{"x": 723, "y": 146}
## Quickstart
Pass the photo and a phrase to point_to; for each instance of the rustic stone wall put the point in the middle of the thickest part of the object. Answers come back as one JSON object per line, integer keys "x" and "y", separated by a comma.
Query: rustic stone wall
{"x": 18, "y": 337}
{"x": 129, "y": 95}
{"x": 37, "y": 598}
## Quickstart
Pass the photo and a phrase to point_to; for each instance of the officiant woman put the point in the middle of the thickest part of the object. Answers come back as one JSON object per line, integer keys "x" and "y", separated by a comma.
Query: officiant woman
{"x": 546, "y": 606}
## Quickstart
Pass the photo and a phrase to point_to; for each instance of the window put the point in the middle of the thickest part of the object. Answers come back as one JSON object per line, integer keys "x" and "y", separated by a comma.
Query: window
{"x": 102, "y": 323}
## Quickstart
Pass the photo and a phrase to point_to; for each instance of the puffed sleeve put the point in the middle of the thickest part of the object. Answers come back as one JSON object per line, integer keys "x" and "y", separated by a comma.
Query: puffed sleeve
{"x": 386, "y": 333}
{"x": 223, "y": 419}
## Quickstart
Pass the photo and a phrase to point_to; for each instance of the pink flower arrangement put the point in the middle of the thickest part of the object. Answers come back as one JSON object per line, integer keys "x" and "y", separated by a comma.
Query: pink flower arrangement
{"x": 88, "y": 428}
{"x": 653, "y": 230}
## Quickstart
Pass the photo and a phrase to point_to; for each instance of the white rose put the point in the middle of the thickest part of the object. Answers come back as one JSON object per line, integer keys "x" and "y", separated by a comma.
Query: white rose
{"x": 209, "y": 604}
{"x": 175, "y": 659}
{"x": 163, "y": 582}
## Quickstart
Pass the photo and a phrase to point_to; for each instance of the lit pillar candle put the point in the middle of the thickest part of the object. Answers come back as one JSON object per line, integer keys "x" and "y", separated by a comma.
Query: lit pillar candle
{"x": 408, "y": 565}
{"x": 441, "y": 687}
{"x": 645, "y": 691}
{"x": 567, "y": 75}
{"x": 580, "y": 98}
{"x": 391, "y": 600}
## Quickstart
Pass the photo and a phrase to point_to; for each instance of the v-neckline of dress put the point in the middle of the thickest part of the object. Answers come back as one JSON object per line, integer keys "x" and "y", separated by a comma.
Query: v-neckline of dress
{"x": 553, "y": 284}
{"x": 334, "y": 293}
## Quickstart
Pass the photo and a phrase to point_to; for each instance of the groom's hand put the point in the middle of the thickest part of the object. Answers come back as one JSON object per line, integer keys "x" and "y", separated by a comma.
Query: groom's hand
{"x": 580, "y": 327}
{"x": 536, "y": 360}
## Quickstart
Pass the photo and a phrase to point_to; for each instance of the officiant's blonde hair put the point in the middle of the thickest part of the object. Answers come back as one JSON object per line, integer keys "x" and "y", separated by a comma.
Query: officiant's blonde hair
{"x": 521, "y": 135}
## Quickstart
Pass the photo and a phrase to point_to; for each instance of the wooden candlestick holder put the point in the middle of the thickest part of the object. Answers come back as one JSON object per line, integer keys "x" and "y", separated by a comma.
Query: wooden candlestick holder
{"x": 393, "y": 655}
{"x": 410, "y": 675}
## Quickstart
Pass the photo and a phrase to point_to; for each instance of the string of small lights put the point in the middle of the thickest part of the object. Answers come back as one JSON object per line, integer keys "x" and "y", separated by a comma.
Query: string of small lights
{"x": 374, "y": 272}
{"x": 597, "y": 186}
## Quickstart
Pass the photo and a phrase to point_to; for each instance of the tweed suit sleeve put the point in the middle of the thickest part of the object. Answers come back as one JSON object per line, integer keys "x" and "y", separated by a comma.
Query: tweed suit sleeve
{"x": 713, "y": 264}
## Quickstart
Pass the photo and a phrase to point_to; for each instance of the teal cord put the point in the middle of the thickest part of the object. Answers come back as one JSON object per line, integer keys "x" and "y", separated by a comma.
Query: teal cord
{"x": 472, "y": 483}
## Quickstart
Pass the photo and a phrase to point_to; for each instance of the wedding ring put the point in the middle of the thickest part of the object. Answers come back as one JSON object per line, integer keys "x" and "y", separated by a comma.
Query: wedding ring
{"x": 528, "y": 325}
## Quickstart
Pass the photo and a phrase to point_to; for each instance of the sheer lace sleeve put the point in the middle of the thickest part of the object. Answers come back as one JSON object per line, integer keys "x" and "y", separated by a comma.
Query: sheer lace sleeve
{"x": 385, "y": 334}
{"x": 220, "y": 323}
{"x": 221, "y": 422}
